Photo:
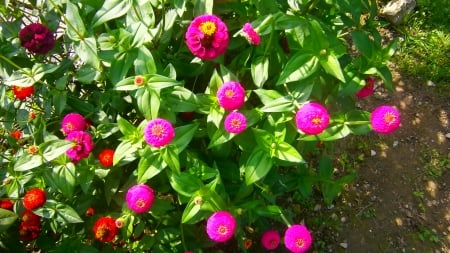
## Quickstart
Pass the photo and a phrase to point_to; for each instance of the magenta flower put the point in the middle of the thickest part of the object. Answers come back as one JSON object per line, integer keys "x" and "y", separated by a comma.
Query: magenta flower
{"x": 159, "y": 132}
{"x": 73, "y": 122}
{"x": 220, "y": 226}
{"x": 37, "y": 38}
{"x": 231, "y": 95}
{"x": 82, "y": 146}
{"x": 250, "y": 34}
{"x": 312, "y": 118}
{"x": 140, "y": 198}
{"x": 207, "y": 37}
{"x": 270, "y": 239}
{"x": 297, "y": 239}
{"x": 385, "y": 119}
{"x": 235, "y": 122}
{"x": 368, "y": 89}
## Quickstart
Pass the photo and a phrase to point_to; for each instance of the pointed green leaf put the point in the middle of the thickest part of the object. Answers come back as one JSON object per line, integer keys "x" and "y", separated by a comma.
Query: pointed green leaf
{"x": 284, "y": 151}
{"x": 282, "y": 104}
{"x": 300, "y": 66}
{"x": 183, "y": 135}
{"x": 257, "y": 166}
{"x": 86, "y": 49}
{"x": 7, "y": 219}
{"x": 111, "y": 9}
{"x": 75, "y": 28}
{"x": 28, "y": 162}
{"x": 332, "y": 66}
{"x": 54, "y": 148}
{"x": 260, "y": 70}
{"x": 169, "y": 155}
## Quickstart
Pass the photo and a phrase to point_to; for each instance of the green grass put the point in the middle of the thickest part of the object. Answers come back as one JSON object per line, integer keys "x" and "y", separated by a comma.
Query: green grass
{"x": 425, "y": 51}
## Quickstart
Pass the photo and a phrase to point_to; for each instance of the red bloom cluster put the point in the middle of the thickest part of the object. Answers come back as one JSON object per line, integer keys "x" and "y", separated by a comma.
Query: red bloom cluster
{"x": 6, "y": 204}
{"x": 106, "y": 157}
{"x": 30, "y": 227}
{"x": 23, "y": 92}
{"x": 16, "y": 134}
{"x": 34, "y": 199}
{"x": 105, "y": 229}
{"x": 37, "y": 38}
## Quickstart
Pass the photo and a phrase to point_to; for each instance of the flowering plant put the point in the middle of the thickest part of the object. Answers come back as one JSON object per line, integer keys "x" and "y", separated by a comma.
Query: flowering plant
{"x": 179, "y": 125}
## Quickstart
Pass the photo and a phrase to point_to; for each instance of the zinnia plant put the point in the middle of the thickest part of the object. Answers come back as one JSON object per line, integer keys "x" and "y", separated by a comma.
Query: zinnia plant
{"x": 177, "y": 126}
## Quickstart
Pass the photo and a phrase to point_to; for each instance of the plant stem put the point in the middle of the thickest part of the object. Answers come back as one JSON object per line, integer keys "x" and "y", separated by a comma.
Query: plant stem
{"x": 285, "y": 219}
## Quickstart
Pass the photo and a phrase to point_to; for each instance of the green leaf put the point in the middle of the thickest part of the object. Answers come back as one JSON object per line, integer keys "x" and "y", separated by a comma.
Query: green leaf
{"x": 111, "y": 9}
{"x": 121, "y": 64}
{"x": 125, "y": 127}
{"x": 28, "y": 162}
{"x": 75, "y": 29}
{"x": 144, "y": 63}
{"x": 325, "y": 168}
{"x": 112, "y": 183}
{"x": 332, "y": 66}
{"x": 181, "y": 99}
{"x": 299, "y": 67}
{"x": 183, "y": 136}
{"x": 149, "y": 166}
{"x": 190, "y": 211}
{"x": 160, "y": 82}
{"x": 305, "y": 184}
{"x": 267, "y": 96}
{"x": 282, "y": 104}
{"x": 86, "y": 49}
{"x": 203, "y": 7}
{"x": 260, "y": 70}
{"x": 386, "y": 75}
{"x": 64, "y": 179}
{"x": 220, "y": 137}
{"x": 330, "y": 134}
{"x": 66, "y": 214}
{"x": 21, "y": 77}
{"x": 7, "y": 219}
{"x": 257, "y": 166}
{"x": 362, "y": 118}
{"x": 124, "y": 149}
{"x": 263, "y": 138}
{"x": 127, "y": 84}
{"x": 154, "y": 103}
{"x": 363, "y": 43}
{"x": 169, "y": 155}
{"x": 185, "y": 184}
{"x": 284, "y": 151}
{"x": 54, "y": 148}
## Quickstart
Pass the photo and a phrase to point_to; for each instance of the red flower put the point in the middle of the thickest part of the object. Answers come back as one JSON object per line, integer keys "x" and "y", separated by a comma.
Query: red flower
{"x": 106, "y": 157}
{"x": 105, "y": 229}
{"x": 90, "y": 211}
{"x": 37, "y": 38}
{"x": 368, "y": 89}
{"x": 34, "y": 198}
{"x": 29, "y": 232}
{"x": 30, "y": 218}
{"x": 6, "y": 204}
{"x": 23, "y": 92}
{"x": 16, "y": 134}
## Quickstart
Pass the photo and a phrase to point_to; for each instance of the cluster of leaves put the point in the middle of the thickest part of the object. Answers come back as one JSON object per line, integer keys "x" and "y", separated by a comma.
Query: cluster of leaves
{"x": 310, "y": 50}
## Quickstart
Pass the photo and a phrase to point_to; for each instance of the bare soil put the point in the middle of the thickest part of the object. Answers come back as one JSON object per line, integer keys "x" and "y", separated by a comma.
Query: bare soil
{"x": 400, "y": 201}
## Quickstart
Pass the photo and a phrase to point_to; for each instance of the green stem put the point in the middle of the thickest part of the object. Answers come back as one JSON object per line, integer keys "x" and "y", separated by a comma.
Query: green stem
{"x": 66, "y": 20}
{"x": 12, "y": 63}
{"x": 285, "y": 219}
{"x": 354, "y": 123}
{"x": 269, "y": 44}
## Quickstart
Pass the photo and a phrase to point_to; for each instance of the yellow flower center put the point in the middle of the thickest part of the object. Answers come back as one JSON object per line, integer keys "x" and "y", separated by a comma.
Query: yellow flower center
{"x": 229, "y": 93}
{"x": 157, "y": 130}
{"x": 299, "y": 242}
{"x": 235, "y": 123}
{"x": 140, "y": 203}
{"x": 316, "y": 121}
{"x": 389, "y": 118}
{"x": 222, "y": 230}
{"x": 208, "y": 28}
{"x": 101, "y": 232}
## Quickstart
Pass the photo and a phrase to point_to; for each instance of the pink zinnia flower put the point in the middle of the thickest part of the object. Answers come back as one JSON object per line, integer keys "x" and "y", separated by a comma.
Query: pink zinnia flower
{"x": 73, "y": 122}
{"x": 368, "y": 89}
{"x": 231, "y": 95}
{"x": 140, "y": 198}
{"x": 159, "y": 132}
{"x": 270, "y": 239}
{"x": 207, "y": 37}
{"x": 250, "y": 34}
{"x": 235, "y": 122}
{"x": 220, "y": 226}
{"x": 297, "y": 239}
{"x": 385, "y": 119}
{"x": 82, "y": 146}
{"x": 312, "y": 118}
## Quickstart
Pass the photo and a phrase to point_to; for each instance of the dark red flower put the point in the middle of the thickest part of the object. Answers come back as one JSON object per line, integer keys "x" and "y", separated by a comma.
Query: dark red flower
{"x": 90, "y": 211}
{"x": 34, "y": 198}
{"x": 30, "y": 218}
{"x": 23, "y": 92}
{"x": 16, "y": 134}
{"x": 29, "y": 232}
{"x": 105, "y": 229}
{"x": 106, "y": 157}
{"x": 37, "y": 38}
{"x": 6, "y": 204}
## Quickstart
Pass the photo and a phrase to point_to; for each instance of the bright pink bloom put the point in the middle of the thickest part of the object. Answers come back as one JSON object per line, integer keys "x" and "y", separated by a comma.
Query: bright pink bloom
{"x": 140, "y": 198}
{"x": 368, "y": 89}
{"x": 220, "y": 226}
{"x": 250, "y": 34}
{"x": 231, "y": 95}
{"x": 235, "y": 122}
{"x": 207, "y": 37}
{"x": 385, "y": 119}
{"x": 297, "y": 239}
{"x": 158, "y": 132}
{"x": 73, "y": 122}
{"x": 82, "y": 146}
{"x": 270, "y": 239}
{"x": 37, "y": 38}
{"x": 312, "y": 118}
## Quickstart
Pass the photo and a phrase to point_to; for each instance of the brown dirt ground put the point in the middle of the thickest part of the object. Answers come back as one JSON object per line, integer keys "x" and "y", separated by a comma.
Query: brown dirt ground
{"x": 402, "y": 191}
